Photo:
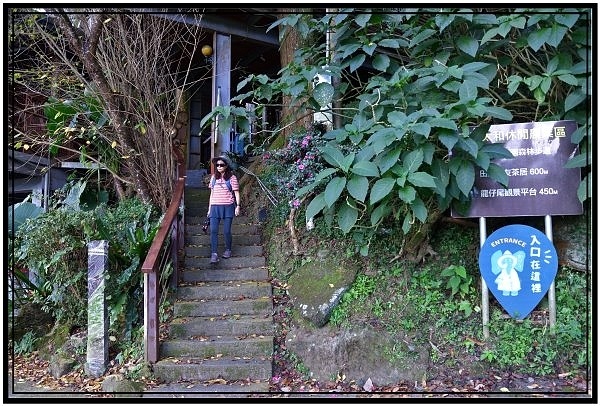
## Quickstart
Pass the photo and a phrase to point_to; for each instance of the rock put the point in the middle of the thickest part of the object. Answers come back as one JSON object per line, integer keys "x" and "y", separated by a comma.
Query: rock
{"x": 29, "y": 317}
{"x": 121, "y": 386}
{"x": 572, "y": 239}
{"x": 361, "y": 354}
{"x": 70, "y": 354}
{"x": 318, "y": 285}
{"x": 61, "y": 364}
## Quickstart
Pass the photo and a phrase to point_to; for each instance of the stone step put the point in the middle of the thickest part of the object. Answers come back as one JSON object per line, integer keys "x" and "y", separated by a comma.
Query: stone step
{"x": 237, "y": 239}
{"x": 236, "y": 229}
{"x": 190, "y": 327}
{"x": 229, "y": 263}
{"x": 216, "y": 308}
{"x": 250, "y": 346}
{"x": 225, "y": 291}
{"x": 221, "y": 336}
{"x": 208, "y": 389}
{"x": 199, "y": 219}
{"x": 219, "y": 273}
{"x": 193, "y": 369}
{"x": 236, "y": 250}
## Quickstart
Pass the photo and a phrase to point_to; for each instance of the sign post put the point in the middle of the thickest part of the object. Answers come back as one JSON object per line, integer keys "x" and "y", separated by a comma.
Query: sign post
{"x": 539, "y": 185}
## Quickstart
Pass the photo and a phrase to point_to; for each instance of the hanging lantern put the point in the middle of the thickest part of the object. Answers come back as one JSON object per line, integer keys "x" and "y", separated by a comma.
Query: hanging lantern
{"x": 207, "y": 50}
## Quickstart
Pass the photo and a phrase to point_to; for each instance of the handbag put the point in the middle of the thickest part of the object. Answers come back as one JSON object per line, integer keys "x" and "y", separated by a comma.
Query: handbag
{"x": 205, "y": 225}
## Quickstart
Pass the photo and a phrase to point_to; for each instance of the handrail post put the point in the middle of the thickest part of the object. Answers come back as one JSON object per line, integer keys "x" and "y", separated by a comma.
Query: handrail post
{"x": 151, "y": 321}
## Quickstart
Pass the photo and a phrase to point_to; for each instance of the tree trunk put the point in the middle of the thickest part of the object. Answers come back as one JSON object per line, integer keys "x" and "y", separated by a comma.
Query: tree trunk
{"x": 292, "y": 117}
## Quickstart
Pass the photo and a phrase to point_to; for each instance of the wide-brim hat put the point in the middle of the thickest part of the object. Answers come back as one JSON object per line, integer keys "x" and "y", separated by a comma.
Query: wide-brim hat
{"x": 222, "y": 158}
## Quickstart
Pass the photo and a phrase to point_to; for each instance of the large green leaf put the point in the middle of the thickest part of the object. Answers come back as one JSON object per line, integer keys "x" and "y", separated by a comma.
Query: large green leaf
{"x": 496, "y": 150}
{"x": 315, "y": 206}
{"x": 407, "y": 193}
{"x": 365, "y": 168}
{"x": 419, "y": 209}
{"x": 574, "y": 99}
{"x": 421, "y": 179}
{"x": 443, "y": 123}
{"x": 497, "y": 173}
{"x": 413, "y": 160}
{"x": 469, "y": 145}
{"x": 499, "y": 112}
{"x": 19, "y": 213}
{"x": 467, "y": 92}
{"x": 381, "y": 62}
{"x": 381, "y": 211}
{"x": 388, "y": 159}
{"x": 578, "y": 161}
{"x": 333, "y": 155}
{"x": 334, "y": 190}
{"x": 582, "y": 189}
{"x": 448, "y": 138}
{"x": 347, "y": 216}
{"x": 316, "y": 182}
{"x": 557, "y": 33}
{"x": 538, "y": 38}
{"x": 382, "y": 138}
{"x": 468, "y": 45}
{"x": 441, "y": 176}
{"x": 465, "y": 177}
{"x": 356, "y": 62}
{"x": 381, "y": 189}
{"x": 357, "y": 187}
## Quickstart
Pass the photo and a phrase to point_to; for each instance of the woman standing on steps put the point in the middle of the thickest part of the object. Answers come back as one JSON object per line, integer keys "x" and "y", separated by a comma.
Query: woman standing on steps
{"x": 224, "y": 204}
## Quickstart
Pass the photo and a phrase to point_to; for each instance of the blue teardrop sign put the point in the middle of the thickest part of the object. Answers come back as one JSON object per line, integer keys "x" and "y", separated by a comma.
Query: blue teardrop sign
{"x": 518, "y": 264}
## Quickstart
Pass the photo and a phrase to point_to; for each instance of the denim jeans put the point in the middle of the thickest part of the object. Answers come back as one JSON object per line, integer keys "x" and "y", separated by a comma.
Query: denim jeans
{"x": 214, "y": 233}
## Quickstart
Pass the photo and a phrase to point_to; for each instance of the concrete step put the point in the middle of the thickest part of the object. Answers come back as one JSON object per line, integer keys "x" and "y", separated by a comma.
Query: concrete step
{"x": 195, "y": 369}
{"x": 230, "y": 290}
{"x": 237, "y": 239}
{"x": 199, "y": 219}
{"x": 208, "y": 389}
{"x": 221, "y": 336}
{"x": 216, "y": 308}
{"x": 229, "y": 263}
{"x": 219, "y": 273}
{"x": 210, "y": 347}
{"x": 236, "y": 229}
{"x": 237, "y": 250}
{"x": 235, "y": 326}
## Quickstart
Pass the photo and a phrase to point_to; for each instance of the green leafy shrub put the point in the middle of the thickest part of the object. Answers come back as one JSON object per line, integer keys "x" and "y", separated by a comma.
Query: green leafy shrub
{"x": 26, "y": 344}
{"x": 54, "y": 247}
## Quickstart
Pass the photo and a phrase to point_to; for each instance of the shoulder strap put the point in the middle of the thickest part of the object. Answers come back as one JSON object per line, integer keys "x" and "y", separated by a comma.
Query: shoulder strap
{"x": 227, "y": 182}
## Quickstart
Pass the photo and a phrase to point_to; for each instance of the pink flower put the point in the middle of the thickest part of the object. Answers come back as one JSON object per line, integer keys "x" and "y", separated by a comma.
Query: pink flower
{"x": 301, "y": 167}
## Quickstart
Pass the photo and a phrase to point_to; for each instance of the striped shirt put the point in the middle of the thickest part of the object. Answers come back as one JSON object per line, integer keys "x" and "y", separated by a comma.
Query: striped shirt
{"x": 220, "y": 192}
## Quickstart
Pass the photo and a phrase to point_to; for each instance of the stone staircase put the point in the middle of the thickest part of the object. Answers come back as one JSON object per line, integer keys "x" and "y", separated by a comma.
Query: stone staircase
{"x": 221, "y": 336}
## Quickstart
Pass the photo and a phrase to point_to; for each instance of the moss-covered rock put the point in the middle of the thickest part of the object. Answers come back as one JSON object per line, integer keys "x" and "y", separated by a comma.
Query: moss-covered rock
{"x": 319, "y": 283}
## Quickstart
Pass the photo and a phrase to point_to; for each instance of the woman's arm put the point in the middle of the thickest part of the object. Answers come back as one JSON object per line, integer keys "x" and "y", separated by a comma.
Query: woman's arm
{"x": 237, "y": 199}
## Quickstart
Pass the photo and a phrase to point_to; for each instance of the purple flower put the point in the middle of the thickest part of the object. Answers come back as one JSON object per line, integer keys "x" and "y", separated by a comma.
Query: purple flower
{"x": 301, "y": 167}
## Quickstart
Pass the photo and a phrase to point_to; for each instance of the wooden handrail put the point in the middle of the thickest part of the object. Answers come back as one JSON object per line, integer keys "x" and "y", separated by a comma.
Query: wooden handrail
{"x": 151, "y": 261}
{"x": 171, "y": 225}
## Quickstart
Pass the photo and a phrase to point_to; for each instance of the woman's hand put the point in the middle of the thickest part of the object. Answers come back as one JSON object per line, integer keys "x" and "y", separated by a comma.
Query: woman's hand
{"x": 237, "y": 210}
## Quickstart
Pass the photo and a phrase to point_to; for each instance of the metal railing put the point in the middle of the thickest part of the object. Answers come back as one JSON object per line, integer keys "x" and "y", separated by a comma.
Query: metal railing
{"x": 163, "y": 252}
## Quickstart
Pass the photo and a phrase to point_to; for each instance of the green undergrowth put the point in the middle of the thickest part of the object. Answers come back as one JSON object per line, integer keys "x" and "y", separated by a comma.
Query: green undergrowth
{"x": 437, "y": 303}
